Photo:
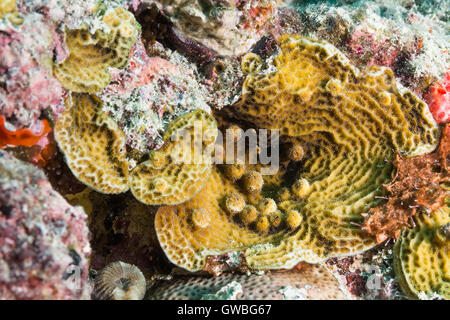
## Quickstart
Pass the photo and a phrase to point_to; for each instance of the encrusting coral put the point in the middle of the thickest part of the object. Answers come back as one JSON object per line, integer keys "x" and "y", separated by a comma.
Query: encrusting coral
{"x": 93, "y": 145}
{"x": 120, "y": 281}
{"x": 94, "y": 148}
{"x": 22, "y": 137}
{"x": 86, "y": 67}
{"x": 421, "y": 256}
{"x": 179, "y": 170}
{"x": 418, "y": 185}
{"x": 350, "y": 128}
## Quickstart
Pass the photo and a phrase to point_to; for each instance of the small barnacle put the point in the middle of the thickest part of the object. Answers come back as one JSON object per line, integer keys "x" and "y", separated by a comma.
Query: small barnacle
{"x": 201, "y": 218}
{"x": 293, "y": 219}
{"x": 296, "y": 152}
{"x": 267, "y": 206}
{"x": 334, "y": 86}
{"x": 385, "y": 98}
{"x": 234, "y": 203}
{"x": 304, "y": 95}
{"x": 253, "y": 181}
{"x": 301, "y": 188}
{"x": 234, "y": 171}
{"x": 251, "y": 63}
{"x": 120, "y": 281}
{"x": 249, "y": 214}
{"x": 262, "y": 224}
{"x": 275, "y": 218}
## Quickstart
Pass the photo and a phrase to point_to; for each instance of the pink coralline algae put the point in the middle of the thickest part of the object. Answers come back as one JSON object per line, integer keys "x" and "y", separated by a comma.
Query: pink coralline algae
{"x": 374, "y": 49}
{"x": 26, "y": 84}
{"x": 438, "y": 99}
{"x": 44, "y": 243}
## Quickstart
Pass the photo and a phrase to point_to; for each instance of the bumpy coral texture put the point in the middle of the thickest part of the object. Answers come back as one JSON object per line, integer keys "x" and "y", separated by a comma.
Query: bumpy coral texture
{"x": 44, "y": 242}
{"x": 94, "y": 148}
{"x": 93, "y": 145}
{"x": 421, "y": 256}
{"x": 179, "y": 170}
{"x": 350, "y": 126}
{"x": 418, "y": 186}
{"x": 312, "y": 282}
{"x": 86, "y": 68}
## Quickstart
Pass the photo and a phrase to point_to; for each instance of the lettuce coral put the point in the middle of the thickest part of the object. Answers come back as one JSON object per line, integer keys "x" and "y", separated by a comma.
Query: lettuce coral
{"x": 421, "y": 258}
{"x": 94, "y": 148}
{"x": 350, "y": 125}
{"x": 86, "y": 67}
{"x": 169, "y": 177}
{"x": 93, "y": 145}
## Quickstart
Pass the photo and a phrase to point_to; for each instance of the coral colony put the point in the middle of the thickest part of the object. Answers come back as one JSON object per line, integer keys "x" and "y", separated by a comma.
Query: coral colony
{"x": 224, "y": 149}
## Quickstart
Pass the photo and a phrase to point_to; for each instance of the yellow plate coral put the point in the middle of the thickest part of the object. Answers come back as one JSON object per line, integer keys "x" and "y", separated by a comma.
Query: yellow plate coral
{"x": 86, "y": 67}
{"x": 349, "y": 124}
{"x": 422, "y": 257}
{"x": 93, "y": 145}
{"x": 179, "y": 170}
{"x": 95, "y": 151}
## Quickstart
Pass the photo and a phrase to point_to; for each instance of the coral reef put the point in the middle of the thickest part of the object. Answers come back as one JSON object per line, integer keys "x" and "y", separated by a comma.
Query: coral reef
{"x": 312, "y": 282}
{"x": 418, "y": 185}
{"x": 44, "y": 243}
{"x": 120, "y": 281}
{"x": 346, "y": 160}
{"x": 388, "y": 33}
{"x": 148, "y": 94}
{"x": 118, "y": 119}
{"x": 94, "y": 149}
{"x": 421, "y": 257}
{"x": 27, "y": 86}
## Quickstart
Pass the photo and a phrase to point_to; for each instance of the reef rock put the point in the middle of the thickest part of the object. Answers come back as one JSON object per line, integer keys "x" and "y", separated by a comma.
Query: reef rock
{"x": 44, "y": 243}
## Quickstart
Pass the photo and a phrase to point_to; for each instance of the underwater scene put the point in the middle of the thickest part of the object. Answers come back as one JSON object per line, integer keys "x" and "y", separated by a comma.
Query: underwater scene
{"x": 224, "y": 150}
